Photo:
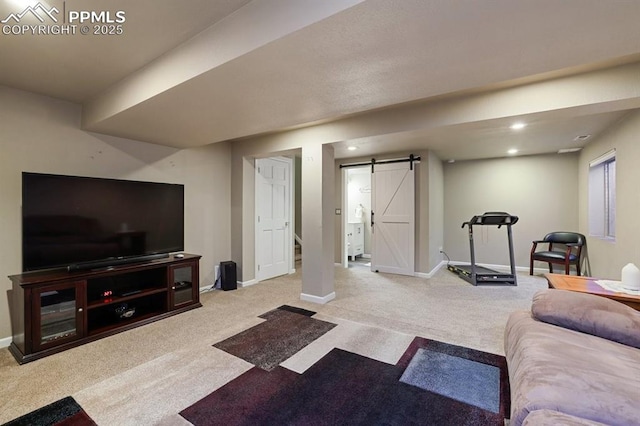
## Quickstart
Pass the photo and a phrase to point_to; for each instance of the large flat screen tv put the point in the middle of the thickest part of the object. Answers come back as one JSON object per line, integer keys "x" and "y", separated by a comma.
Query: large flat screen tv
{"x": 82, "y": 222}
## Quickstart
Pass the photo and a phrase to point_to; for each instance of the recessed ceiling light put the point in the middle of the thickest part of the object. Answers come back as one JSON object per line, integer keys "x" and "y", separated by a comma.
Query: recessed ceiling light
{"x": 581, "y": 138}
{"x": 512, "y": 151}
{"x": 352, "y": 148}
{"x": 451, "y": 161}
{"x": 518, "y": 126}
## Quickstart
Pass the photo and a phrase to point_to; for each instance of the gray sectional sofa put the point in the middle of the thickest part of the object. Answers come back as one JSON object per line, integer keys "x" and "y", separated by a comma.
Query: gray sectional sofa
{"x": 574, "y": 359}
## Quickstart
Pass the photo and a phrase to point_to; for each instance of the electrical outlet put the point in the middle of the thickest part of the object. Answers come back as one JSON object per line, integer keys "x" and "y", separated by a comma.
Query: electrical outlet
{"x": 440, "y": 249}
{"x": 215, "y": 271}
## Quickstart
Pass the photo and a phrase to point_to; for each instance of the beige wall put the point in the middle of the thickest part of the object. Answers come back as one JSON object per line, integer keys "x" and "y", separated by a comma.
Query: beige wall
{"x": 41, "y": 134}
{"x": 541, "y": 190}
{"x": 297, "y": 183}
{"x": 435, "y": 212}
{"x": 318, "y": 226}
{"x": 315, "y": 185}
{"x": 608, "y": 257}
{"x": 429, "y": 212}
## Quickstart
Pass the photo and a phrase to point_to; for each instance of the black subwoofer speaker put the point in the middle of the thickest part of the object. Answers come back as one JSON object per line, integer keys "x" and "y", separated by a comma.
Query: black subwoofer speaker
{"x": 228, "y": 278}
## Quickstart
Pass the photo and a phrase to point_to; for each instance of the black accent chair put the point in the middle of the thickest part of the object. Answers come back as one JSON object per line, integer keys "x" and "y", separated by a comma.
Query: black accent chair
{"x": 564, "y": 248}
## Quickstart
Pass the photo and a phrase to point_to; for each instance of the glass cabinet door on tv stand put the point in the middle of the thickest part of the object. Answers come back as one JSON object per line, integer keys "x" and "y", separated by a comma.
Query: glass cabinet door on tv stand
{"x": 55, "y": 310}
{"x": 58, "y": 314}
{"x": 184, "y": 288}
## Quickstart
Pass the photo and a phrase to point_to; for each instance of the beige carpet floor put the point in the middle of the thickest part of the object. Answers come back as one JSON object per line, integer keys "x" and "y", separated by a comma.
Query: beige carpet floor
{"x": 147, "y": 375}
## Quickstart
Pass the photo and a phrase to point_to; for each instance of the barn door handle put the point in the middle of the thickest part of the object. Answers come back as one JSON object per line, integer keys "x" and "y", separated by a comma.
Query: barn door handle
{"x": 372, "y": 219}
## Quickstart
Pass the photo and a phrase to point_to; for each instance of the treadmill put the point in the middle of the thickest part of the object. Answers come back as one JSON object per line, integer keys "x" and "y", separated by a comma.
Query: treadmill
{"x": 479, "y": 274}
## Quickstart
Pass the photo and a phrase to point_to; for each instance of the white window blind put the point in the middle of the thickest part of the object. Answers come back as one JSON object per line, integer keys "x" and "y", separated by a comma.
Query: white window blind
{"x": 602, "y": 196}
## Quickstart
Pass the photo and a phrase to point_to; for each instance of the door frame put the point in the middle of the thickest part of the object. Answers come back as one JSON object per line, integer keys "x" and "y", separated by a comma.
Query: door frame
{"x": 290, "y": 234}
{"x": 345, "y": 217}
{"x": 344, "y": 203}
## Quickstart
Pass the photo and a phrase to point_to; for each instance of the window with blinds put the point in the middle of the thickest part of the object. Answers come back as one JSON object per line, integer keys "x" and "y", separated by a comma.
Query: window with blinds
{"x": 602, "y": 196}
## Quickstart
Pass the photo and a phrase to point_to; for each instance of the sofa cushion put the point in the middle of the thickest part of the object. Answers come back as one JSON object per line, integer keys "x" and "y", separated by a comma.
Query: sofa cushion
{"x": 555, "y": 368}
{"x": 588, "y": 313}
{"x": 555, "y": 418}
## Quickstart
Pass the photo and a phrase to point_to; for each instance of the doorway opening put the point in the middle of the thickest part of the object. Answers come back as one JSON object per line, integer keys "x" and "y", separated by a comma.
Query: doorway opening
{"x": 357, "y": 217}
{"x": 390, "y": 215}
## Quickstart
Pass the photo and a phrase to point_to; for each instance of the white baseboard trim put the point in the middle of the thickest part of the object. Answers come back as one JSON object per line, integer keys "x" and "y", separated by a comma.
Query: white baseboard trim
{"x": 431, "y": 273}
{"x": 4, "y": 343}
{"x": 247, "y": 283}
{"x": 317, "y": 299}
{"x": 240, "y": 284}
{"x": 366, "y": 256}
{"x": 292, "y": 271}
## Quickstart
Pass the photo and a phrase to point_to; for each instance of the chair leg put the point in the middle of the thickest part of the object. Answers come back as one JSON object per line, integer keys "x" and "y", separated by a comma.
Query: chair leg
{"x": 566, "y": 268}
{"x": 550, "y": 268}
{"x": 578, "y": 269}
{"x": 531, "y": 267}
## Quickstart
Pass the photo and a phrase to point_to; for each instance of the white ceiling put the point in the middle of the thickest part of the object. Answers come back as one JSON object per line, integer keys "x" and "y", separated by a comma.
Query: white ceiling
{"x": 76, "y": 68}
{"x": 488, "y": 139}
{"x": 190, "y": 73}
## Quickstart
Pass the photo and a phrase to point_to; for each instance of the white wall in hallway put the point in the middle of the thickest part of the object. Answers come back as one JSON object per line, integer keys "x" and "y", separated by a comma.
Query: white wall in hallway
{"x": 359, "y": 194}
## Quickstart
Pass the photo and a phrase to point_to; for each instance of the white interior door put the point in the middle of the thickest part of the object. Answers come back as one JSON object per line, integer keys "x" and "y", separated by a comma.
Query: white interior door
{"x": 393, "y": 210}
{"x": 273, "y": 207}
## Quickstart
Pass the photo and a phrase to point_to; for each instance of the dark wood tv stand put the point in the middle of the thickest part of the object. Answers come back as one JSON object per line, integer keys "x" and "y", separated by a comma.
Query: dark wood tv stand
{"x": 55, "y": 310}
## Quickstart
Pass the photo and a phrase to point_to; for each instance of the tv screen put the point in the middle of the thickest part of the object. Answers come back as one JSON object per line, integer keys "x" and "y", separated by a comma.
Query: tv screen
{"x": 71, "y": 220}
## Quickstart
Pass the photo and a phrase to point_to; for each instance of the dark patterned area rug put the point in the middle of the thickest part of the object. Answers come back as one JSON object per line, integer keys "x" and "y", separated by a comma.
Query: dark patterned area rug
{"x": 434, "y": 383}
{"x": 284, "y": 333}
{"x": 65, "y": 412}
{"x": 484, "y": 376}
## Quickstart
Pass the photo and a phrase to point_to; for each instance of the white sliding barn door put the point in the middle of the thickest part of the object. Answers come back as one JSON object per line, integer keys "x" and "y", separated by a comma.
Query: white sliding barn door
{"x": 273, "y": 207}
{"x": 393, "y": 210}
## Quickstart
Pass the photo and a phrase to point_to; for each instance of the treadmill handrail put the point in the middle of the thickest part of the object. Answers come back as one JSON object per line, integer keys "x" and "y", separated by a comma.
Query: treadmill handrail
{"x": 492, "y": 218}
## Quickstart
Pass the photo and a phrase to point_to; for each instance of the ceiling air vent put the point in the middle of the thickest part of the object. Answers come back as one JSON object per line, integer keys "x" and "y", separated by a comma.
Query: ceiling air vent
{"x": 567, "y": 150}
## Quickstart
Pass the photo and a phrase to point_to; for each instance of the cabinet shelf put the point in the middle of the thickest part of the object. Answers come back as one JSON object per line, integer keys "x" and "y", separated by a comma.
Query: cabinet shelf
{"x": 55, "y": 310}
{"x": 120, "y": 299}
{"x": 122, "y": 324}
